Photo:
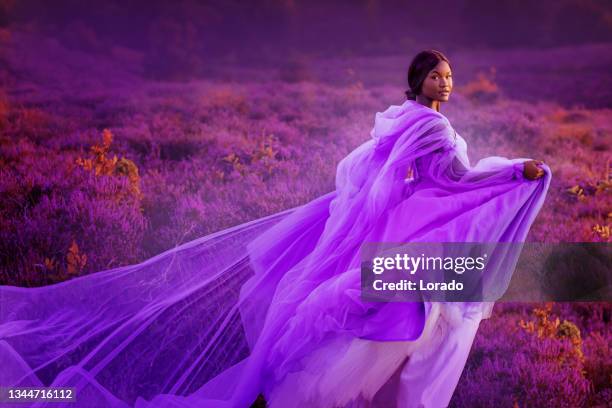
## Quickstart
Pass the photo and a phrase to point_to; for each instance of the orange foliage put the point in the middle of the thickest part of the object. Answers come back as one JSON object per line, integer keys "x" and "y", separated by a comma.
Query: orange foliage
{"x": 581, "y": 132}
{"x": 598, "y": 184}
{"x": 263, "y": 152}
{"x": 546, "y": 327}
{"x": 602, "y": 230}
{"x": 50, "y": 264}
{"x": 225, "y": 98}
{"x": 561, "y": 115}
{"x": 35, "y": 118}
{"x": 75, "y": 261}
{"x": 235, "y": 162}
{"x": 482, "y": 87}
{"x": 102, "y": 165}
{"x": 571, "y": 125}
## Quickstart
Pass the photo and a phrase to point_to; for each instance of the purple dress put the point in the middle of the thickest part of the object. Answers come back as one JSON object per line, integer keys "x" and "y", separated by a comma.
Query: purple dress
{"x": 273, "y": 306}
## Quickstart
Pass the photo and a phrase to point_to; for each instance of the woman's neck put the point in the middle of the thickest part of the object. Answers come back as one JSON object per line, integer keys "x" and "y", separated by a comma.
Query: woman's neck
{"x": 430, "y": 103}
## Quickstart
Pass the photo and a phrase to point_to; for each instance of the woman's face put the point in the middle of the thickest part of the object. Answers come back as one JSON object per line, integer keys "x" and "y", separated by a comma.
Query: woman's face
{"x": 439, "y": 83}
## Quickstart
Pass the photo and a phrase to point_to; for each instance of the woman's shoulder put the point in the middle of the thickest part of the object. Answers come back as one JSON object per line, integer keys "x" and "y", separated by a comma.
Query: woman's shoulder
{"x": 423, "y": 122}
{"x": 411, "y": 107}
{"x": 396, "y": 117}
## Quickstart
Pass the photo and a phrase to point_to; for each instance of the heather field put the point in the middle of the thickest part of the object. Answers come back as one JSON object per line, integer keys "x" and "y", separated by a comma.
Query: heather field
{"x": 102, "y": 166}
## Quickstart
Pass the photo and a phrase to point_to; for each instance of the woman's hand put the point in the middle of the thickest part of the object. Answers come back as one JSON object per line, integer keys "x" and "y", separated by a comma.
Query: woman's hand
{"x": 532, "y": 171}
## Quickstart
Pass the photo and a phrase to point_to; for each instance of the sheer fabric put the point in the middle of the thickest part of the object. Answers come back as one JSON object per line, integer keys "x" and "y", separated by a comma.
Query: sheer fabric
{"x": 273, "y": 306}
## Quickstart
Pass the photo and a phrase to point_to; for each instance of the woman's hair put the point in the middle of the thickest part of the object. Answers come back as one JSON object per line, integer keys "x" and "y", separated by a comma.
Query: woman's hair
{"x": 420, "y": 66}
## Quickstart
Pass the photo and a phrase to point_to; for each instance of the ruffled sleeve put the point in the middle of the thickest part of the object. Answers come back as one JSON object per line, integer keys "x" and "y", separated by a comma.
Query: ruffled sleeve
{"x": 450, "y": 166}
{"x": 487, "y": 170}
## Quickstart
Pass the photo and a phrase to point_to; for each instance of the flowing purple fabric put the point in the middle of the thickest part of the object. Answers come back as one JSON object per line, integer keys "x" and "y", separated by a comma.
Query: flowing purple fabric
{"x": 273, "y": 306}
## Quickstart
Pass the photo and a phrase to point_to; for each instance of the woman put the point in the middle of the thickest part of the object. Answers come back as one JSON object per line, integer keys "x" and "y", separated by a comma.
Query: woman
{"x": 272, "y": 307}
